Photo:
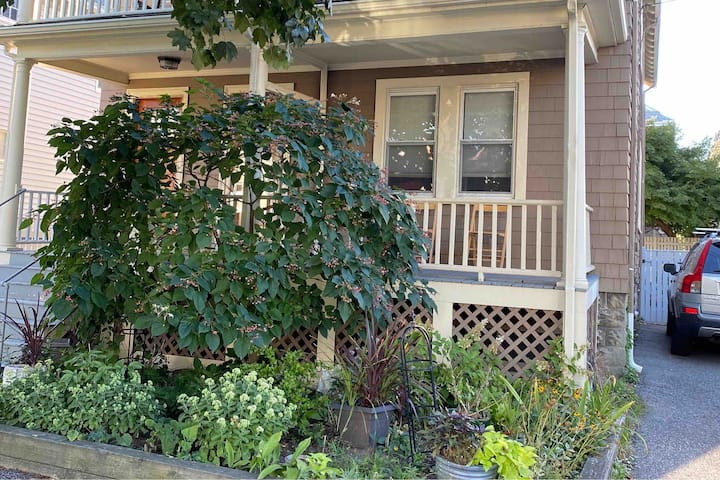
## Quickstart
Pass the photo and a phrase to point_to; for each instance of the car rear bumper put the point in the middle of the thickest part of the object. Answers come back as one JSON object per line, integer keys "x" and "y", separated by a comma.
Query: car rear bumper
{"x": 698, "y": 325}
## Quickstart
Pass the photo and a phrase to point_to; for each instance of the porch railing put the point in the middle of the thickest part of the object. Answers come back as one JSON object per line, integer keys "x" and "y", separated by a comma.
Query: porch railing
{"x": 52, "y": 10}
{"x": 59, "y": 10}
{"x": 522, "y": 237}
{"x": 28, "y": 204}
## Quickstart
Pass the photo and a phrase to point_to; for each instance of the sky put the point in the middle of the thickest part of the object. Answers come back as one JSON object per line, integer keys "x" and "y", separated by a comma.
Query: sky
{"x": 688, "y": 83}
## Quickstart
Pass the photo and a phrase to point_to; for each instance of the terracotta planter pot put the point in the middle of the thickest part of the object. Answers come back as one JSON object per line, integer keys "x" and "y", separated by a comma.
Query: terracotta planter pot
{"x": 447, "y": 469}
{"x": 363, "y": 427}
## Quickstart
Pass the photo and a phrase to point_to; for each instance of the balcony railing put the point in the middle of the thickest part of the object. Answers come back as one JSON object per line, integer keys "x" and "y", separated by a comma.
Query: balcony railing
{"x": 28, "y": 204}
{"x": 54, "y": 10}
{"x": 61, "y": 10}
{"x": 517, "y": 237}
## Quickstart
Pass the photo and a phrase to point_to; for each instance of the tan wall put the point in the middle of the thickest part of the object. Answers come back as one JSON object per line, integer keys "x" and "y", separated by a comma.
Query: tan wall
{"x": 608, "y": 147}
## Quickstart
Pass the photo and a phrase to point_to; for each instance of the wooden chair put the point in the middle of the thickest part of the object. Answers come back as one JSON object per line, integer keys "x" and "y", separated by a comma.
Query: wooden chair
{"x": 484, "y": 242}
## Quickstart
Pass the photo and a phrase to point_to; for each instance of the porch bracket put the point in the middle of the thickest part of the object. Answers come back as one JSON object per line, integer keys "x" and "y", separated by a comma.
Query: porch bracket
{"x": 12, "y": 173}
{"x": 575, "y": 262}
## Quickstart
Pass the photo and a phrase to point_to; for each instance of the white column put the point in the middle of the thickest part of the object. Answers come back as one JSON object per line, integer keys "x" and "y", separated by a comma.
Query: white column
{"x": 258, "y": 71}
{"x": 258, "y": 86}
{"x": 12, "y": 173}
{"x": 575, "y": 261}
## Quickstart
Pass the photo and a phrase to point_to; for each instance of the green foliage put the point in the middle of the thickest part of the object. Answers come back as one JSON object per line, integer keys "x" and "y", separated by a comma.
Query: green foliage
{"x": 312, "y": 465}
{"x": 513, "y": 459}
{"x": 379, "y": 463}
{"x": 468, "y": 371}
{"x": 88, "y": 397}
{"x": 225, "y": 424}
{"x": 564, "y": 423}
{"x": 297, "y": 378}
{"x": 128, "y": 246}
{"x": 170, "y": 385}
{"x": 680, "y": 183}
{"x": 277, "y": 26}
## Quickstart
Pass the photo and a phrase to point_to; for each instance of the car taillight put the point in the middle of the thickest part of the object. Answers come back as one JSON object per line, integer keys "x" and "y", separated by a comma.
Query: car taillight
{"x": 692, "y": 282}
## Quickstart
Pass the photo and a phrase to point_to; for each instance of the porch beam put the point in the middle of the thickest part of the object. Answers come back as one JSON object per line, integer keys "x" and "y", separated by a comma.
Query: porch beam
{"x": 574, "y": 274}
{"x": 12, "y": 172}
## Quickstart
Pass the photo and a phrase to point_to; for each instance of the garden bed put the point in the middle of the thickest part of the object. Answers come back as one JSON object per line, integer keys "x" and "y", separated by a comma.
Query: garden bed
{"x": 54, "y": 455}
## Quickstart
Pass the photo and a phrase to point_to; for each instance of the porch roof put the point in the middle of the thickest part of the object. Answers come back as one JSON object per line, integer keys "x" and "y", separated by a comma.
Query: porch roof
{"x": 364, "y": 34}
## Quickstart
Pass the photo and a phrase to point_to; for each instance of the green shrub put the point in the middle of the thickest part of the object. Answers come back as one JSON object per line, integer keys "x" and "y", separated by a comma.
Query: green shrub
{"x": 297, "y": 378}
{"x": 231, "y": 417}
{"x": 86, "y": 398}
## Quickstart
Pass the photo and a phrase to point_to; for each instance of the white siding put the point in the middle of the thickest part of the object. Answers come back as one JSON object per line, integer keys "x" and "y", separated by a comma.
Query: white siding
{"x": 54, "y": 94}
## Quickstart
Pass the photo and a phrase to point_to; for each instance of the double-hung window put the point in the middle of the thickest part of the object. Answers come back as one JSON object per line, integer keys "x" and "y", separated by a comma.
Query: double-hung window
{"x": 454, "y": 136}
{"x": 410, "y": 141}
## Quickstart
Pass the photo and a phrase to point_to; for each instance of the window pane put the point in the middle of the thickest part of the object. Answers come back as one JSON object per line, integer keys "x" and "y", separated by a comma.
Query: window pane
{"x": 486, "y": 168}
{"x": 412, "y": 118}
{"x": 410, "y": 167}
{"x": 488, "y": 115}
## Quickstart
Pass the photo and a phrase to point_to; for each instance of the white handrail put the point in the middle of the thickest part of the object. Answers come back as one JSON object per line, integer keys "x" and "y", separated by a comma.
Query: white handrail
{"x": 54, "y": 10}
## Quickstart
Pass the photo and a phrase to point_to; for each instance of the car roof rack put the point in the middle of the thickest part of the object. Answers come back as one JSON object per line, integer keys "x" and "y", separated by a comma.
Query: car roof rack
{"x": 707, "y": 232}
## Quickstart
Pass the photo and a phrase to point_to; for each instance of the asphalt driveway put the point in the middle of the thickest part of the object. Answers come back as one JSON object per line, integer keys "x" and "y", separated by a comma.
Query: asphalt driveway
{"x": 681, "y": 424}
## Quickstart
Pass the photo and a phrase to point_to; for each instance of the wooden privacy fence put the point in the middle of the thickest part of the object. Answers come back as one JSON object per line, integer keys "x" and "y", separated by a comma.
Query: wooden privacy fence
{"x": 669, "y": 243}
{"x": 655, "y": 283}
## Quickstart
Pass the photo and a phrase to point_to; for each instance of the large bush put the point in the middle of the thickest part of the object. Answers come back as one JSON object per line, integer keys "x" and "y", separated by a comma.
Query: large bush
{"x": 132, "y": 243}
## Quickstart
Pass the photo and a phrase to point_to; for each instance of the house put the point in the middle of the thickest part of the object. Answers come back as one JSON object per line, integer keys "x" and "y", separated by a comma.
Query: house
{"x": 517, "y": 126}
{"x": 54, "y": 94}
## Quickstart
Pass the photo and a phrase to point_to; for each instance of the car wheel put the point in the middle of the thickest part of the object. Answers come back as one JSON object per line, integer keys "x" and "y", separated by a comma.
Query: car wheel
{"x": 680, "y": 344}
{"x": 670, "y": 323}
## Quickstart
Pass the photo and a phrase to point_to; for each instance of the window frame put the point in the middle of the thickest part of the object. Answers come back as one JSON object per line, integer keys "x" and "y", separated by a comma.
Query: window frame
{"x": 408, "y": 92}
{"x": 449, "y": 115}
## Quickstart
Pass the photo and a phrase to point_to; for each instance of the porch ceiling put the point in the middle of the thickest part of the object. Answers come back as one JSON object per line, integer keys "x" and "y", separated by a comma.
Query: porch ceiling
{"x": 365, "y": 34}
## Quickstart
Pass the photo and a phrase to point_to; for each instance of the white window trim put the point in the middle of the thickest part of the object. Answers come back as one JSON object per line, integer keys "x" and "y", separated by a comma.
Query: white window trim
{"x": 446, "y": 181}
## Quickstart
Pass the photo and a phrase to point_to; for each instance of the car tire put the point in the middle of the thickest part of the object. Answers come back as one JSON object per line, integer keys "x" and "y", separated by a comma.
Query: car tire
{"x": 670, "y": 323}
{"x": 680, "y": 344}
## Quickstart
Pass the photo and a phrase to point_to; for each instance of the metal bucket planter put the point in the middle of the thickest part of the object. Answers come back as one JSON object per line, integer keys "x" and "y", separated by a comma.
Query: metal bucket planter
{"x": 448, "y": 470}
{"x": 363, "y": 427}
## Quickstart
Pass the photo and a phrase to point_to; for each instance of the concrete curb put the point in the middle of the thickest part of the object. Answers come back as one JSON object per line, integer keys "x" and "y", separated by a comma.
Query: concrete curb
{"x": 53, "y": 455}
{"x": 599, "y": 467}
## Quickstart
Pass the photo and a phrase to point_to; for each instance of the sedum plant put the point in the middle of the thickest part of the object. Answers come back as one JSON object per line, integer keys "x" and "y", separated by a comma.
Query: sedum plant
{"x": 230, "y": 418}
{"x": 134, "y": 242}
{"x": 88, "y": 397}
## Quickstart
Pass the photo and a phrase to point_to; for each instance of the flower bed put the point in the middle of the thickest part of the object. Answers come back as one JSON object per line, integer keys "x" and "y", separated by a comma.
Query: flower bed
{"x": 250, "y": 416}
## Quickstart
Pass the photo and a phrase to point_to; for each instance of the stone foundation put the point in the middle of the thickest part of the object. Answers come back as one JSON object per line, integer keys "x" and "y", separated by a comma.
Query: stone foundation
{"x": 611, "y": 333}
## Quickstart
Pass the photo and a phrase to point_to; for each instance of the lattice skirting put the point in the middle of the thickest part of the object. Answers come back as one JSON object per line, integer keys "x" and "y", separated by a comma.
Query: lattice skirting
{"x": 526, "y": 333}
{"x": 303, "y": 340}
{"x": 168, "y": 345}
{"x": 403, "y": 311}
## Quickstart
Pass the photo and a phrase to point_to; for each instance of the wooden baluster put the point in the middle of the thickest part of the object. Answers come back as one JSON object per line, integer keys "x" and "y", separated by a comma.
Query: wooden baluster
{"x": 466, "y": 234}
{"x": 538, "y": 239}
{"x": 523, "y": 238}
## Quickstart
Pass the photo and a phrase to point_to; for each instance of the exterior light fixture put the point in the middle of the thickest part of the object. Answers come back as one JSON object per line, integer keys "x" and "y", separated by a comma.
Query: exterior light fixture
{"x": 169, "y": 63}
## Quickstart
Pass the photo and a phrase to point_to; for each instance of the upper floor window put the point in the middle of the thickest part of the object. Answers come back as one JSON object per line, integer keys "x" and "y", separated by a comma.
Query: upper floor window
{"x": 454, "y": 136}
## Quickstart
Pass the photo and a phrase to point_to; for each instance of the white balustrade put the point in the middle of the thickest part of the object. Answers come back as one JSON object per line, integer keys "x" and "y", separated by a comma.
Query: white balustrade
{"x": 53, "y": 10}
{"x": 520, "y": 237}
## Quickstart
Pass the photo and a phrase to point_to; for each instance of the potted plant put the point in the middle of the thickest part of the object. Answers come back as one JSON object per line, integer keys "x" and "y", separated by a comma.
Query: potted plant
{"x": 465, "y": 449}
{"x": 367, "y": 383}
{"x": 36, "y": 326}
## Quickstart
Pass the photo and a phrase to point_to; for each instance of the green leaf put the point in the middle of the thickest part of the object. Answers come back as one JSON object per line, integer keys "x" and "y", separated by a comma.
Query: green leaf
{"x": 212, "y": 340}
{"x": 190, "y": 432}
{"x": 241, "y": 346}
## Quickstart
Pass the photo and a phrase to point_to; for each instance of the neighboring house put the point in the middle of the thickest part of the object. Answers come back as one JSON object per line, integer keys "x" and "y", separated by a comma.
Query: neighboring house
{"x": 517, "y": 126}
{"x": 54, "y": 94}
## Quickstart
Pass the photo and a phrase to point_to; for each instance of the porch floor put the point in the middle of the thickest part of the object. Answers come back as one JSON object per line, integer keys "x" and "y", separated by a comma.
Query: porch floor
{"x": 496, "y": 279}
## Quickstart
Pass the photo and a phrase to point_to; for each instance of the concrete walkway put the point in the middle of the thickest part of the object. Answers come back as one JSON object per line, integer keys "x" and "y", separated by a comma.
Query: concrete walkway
{"x": 681, "y": 424}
